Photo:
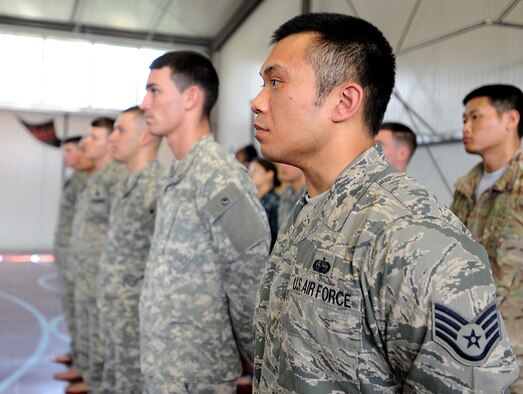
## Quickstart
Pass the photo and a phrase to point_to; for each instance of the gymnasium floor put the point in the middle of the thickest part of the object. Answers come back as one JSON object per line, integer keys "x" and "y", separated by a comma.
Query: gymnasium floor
{"x": 31, "y": 325}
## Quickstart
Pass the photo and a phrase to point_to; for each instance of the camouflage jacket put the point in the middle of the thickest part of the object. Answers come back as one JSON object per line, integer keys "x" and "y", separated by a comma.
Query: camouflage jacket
{"x": 496, "y": 221}
{"x": 90, "y": 226}
{"x": 71, "y": 189}
{"x": 126, "y": 249}
{"x": 381, "y": 289}
{"x": 210, "y": 245}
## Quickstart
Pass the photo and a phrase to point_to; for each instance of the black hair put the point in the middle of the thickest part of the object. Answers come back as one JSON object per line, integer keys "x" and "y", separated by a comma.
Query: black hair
{"x": 269, "y": 166}
{"x": 191, "y": 68}
{"x": 250, "y": 152}
{"x": 347, "y": 48}
{"x": 502, "y": 97}
{"x": 71, "y": 140}
{"x": 402, "y": 133}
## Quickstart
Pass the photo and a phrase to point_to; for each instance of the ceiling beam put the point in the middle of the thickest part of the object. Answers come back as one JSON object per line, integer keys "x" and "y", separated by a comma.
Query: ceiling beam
{"x": 305, "y": 6}
{"x": 145, "y": 36}
{"x": 444, "y": 37}
{"x": 236, "y": 20}
{"x": 508, "y": 9}
{"x": 408, "y": 25}
{"x": 159, "y": 16}
{"x": 76, "y": 15}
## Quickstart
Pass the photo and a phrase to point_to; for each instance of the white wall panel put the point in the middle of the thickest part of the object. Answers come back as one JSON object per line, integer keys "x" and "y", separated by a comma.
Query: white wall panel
{"x": 30, "y": 179}
{"x": 239, "y": 64}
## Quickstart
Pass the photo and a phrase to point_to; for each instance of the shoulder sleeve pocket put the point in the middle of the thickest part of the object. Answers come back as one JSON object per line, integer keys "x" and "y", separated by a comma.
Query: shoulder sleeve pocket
{"x": 237, "y": 217}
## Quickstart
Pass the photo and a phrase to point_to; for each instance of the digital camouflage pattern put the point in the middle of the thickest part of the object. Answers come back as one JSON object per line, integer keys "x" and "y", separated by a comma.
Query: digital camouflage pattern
{"x": 120, "y": 277}
{"x": 287, "y": 201}
{"x": 89, "y": 232}
{"x": 210, "y": 245}
{"x": 70, "y": 191}
{"x": 496, "y": 221}
{"x": 380, "y": 289}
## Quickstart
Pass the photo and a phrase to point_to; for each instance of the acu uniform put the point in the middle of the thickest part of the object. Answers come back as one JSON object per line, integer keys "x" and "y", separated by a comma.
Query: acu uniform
{"x": 120, "y": 277}
{"x": 89, "y": 232}
{"x": 210, "y": 245}
{"x": 495, "y": 220}
{"x": 71, "y": 189}
{"x": 380, "y": 289}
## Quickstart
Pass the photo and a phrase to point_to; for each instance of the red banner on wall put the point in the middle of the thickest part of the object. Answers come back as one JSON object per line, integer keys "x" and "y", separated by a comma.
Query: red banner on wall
{"x": 44, "y": 132}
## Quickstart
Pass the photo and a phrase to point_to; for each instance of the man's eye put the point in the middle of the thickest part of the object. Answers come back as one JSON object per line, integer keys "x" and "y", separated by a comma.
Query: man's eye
{"x": 274, "y": 82}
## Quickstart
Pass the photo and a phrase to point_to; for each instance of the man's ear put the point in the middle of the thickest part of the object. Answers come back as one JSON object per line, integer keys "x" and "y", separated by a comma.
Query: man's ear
{"x": 513, "y": 118}
{"x": 350, "y": 100}
{"x": 191, "y": 97}
{"x": 146, "y": 138}
{"x": 403, "y": 153}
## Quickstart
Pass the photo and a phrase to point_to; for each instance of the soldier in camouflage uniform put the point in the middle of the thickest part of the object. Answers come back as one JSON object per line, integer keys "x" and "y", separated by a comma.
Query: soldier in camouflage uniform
{"x": 373, "y": 285}
{"x": 71, "y": 188}
{"x": 295, "y": 180}
{"x": 89, "y": 231}
{"x": 489, "y": 199}
{"x": 122, "y": 264}
{"x": 399, "y": 144}
{"x": 210, "y": 244}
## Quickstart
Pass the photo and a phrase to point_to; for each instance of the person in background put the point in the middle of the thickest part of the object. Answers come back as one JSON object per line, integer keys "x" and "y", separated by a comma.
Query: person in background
{"x": 373, "y": 284}
{"x": 122, "y": 264}
{"x": 295, "y": 188}
{"x": 246, "y": 154}
{"x": 489, "y": 199}
{"x": 70, "y": 190}
{"x": 82, "y": 165}
{"x": 399, "y": 144}
{"x": 211, "y": 241}
{"x": 88, "y": 236}
{"x": 265, "y": 177}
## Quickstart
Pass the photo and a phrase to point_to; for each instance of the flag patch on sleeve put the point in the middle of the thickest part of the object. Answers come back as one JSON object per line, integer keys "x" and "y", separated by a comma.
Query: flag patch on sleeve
{"x": 469, "y": 342}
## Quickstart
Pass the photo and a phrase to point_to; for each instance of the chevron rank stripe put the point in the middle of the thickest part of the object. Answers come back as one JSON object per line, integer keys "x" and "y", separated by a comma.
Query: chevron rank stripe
{"x": 469, "y": 342}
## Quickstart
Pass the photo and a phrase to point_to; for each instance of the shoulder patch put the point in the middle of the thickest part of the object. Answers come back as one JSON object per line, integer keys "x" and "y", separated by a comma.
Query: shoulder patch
{"x": 237, "y": 216}
{"x": 470, "y": 343}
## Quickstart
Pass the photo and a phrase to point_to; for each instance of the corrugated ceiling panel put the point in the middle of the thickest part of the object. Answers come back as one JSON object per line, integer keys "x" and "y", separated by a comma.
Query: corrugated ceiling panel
{"x": 119, "y": 14}
{"x": 435, "y": 18}
{"x": 51, "y": 10}
{"x": 198, "y": 17}
{"x": 516, "y": 15}
{"x": 436, "y": 87}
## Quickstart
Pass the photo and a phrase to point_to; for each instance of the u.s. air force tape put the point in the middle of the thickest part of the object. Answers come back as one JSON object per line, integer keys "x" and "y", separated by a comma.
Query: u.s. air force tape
{"x": 469, "y": 342}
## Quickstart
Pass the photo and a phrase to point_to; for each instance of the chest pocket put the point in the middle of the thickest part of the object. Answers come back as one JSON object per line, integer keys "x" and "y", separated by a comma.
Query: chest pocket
{"x": 321, "y": 329}
{"x": 98, "y": 202}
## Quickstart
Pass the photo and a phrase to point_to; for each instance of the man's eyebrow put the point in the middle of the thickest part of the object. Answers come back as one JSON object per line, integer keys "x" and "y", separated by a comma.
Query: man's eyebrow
{"x": 150, "y": 85}
{"x": 471, "y": 111}
{"x": 273, "y": 67}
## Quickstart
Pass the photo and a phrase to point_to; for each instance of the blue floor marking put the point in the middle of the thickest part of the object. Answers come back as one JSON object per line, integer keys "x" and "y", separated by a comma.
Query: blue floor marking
{"x": 42, "y": 344}
{"x": 53, "y": 325}
{"x": 43, "y": 279}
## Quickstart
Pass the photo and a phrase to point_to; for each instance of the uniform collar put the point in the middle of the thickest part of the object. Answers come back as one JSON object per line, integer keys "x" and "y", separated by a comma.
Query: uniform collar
{"x": 179, "y": 168}
{"x": 468, "y": 184}
{"x": 350, "y": 186}
{"x": 347, "y": 189}
{"x": 132, "y": 180}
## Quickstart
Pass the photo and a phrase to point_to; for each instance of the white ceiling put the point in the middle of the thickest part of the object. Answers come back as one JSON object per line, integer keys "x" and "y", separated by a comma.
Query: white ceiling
{"x": 199, "y": 22}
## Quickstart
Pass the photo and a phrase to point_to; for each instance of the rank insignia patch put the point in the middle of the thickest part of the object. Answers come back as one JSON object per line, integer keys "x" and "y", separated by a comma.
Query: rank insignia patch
{"x": 468, "y": 342}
